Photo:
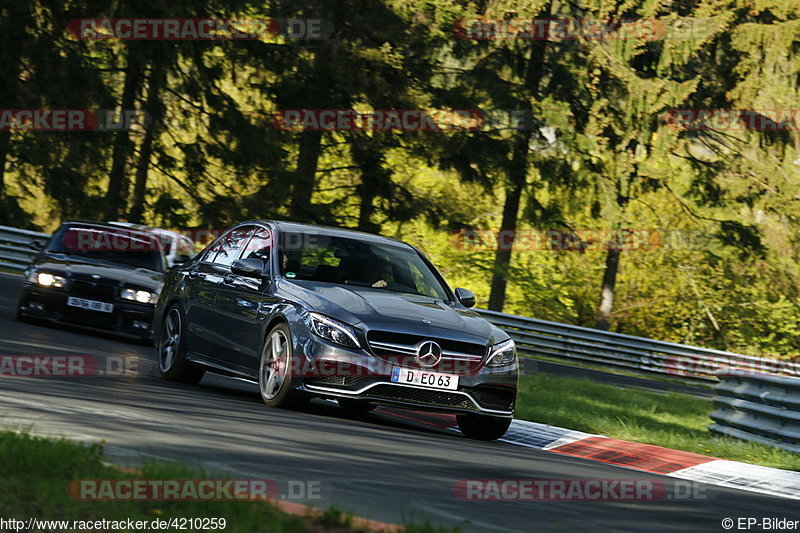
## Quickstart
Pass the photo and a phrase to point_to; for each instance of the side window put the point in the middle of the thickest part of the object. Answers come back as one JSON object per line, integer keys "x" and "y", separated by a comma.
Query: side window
{"x": 260, "y": 245}
{"x": 212, "y": 249}
{"x": 231, "y": 246}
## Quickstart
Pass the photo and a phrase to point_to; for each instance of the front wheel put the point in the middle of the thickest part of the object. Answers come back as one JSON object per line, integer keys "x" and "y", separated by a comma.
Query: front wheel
{"x": 172, "y": 361}
{"x": 22, "y": 317}
{"x": 276, "y": 370}
{"x": 482, "y": 427}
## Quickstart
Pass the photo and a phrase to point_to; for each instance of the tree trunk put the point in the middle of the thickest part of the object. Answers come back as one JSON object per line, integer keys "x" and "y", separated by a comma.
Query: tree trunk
{"x": 517, "y": 173}
{"x": 367, "y": 156}
{"x": 300, "y": 207}
{"x": 155, "y": 109}
{"x": 5, "y": 147}
{"x": 305, "y": 176}
{"x": 366, "y": 192}
{"x": 609, "y": 286}
{"x": 608, "y": 289}
{"x": 16, "y": 42}
{"x": 118, "y": 186}
{"x": 502, "y": 258}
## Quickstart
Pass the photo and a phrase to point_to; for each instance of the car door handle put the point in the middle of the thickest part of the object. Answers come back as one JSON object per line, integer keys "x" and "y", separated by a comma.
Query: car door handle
{"x": 194, "y": 274}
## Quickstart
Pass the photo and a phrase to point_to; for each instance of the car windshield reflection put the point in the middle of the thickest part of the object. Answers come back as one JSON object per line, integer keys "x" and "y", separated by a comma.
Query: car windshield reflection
{"x": 353, "y": 262}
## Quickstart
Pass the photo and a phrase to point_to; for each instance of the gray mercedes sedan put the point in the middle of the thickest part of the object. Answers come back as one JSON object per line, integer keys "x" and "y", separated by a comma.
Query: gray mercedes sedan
{"x": 310, "y": 311}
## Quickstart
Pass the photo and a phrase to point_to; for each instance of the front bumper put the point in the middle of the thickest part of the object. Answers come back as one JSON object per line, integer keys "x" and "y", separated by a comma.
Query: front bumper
{"x": 128, "y": 318}
{"x": 336, "y": 372}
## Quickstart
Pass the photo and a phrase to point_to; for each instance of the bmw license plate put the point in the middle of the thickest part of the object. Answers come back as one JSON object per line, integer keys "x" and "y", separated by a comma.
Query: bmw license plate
{"x": 90, "y": 305}
{"x": 422, "y": 378}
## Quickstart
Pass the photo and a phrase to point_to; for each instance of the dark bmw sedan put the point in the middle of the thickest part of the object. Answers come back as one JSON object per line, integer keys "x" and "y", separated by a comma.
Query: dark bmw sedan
{"x": 95, "y": 276}
{"x": 313, "y": 311}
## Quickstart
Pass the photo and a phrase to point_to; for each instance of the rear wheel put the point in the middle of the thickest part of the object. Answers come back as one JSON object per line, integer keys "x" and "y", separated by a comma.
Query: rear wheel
{"x": 276, "y": 372}
{"x": 482, "y": 427}
{"x": 355, "y": 407}
{"x": 172, "y": 361}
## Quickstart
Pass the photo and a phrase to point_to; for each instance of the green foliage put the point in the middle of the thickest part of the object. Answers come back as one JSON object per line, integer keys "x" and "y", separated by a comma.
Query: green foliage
{"x": 599, "y": 153}
{"x": 672, "y": 420}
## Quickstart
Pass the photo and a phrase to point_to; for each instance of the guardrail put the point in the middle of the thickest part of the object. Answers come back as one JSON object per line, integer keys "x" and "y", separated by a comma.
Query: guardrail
{"x": 14, "y": 251}
{"x": 540, "y": 338}
{"x": 759, "y": 408}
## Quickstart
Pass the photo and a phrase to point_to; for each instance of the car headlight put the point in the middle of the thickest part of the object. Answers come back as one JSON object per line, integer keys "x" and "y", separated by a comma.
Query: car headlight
{"x": 45, "y": 279}
{"x": 502, "y": 354}
{"x": 143, "y": 297}
{"x": 332, "y": 330}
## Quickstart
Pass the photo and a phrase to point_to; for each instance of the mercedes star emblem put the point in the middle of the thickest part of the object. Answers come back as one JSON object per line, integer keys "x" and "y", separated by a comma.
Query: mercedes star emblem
{"x": 429, "y": 354}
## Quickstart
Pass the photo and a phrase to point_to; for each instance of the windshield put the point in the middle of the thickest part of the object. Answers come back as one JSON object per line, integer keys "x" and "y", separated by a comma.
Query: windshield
{"x": 346, "y": 261}
{"x": 121, "y": 247}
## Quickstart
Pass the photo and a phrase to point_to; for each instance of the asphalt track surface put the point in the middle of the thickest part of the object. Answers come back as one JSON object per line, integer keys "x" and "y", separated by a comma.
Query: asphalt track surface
{"x": 378, "y": 466}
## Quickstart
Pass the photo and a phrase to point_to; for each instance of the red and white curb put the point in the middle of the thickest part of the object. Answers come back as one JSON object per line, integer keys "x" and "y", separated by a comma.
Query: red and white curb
{"x": 744, "y": 476}
{"x": 633, "y": 455}
{"x": 655, "y": 459}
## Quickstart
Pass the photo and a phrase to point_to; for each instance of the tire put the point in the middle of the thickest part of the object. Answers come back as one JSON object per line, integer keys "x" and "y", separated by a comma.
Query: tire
{"x": 355, "y": 407}
{"x": 482, "y": 427}
{"x": 21, "y": 317}
{"x": 171, "y": 350}
{"x": 276, "y": 373}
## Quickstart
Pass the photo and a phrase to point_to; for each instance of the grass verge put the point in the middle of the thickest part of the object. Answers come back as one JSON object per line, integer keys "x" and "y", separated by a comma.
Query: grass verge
{"x": 672, "y": 420}
{"x": 35, "y": 473}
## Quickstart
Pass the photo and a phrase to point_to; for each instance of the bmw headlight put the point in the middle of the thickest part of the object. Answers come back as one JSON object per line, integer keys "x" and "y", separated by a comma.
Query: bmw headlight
{"x": 43, "y": 279}
{"x": 502, "y": 354}
{"x": 143, "y": 297}
{"x": 332, "y": 330}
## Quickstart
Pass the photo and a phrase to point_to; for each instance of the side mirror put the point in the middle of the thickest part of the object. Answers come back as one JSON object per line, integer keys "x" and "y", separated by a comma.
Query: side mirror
{"x": 36, "y": 245}
{"x": 466, "y": 297}
{"x": 249, "y": 268}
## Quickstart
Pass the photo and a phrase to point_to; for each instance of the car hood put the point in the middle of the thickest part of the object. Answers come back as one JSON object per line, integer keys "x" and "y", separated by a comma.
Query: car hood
{"x": 394, "y": 311}
{"x": 72, "y": 267}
